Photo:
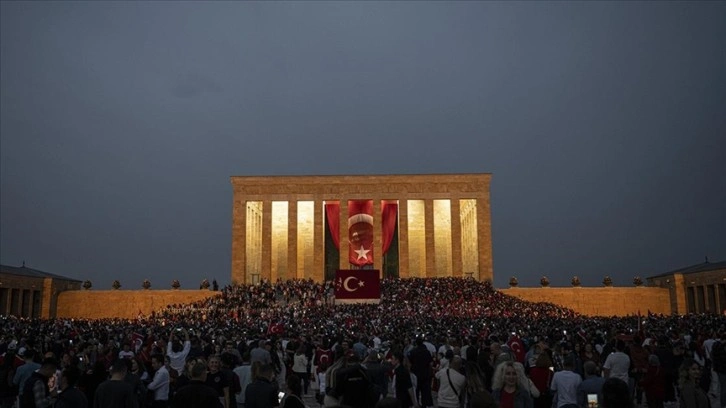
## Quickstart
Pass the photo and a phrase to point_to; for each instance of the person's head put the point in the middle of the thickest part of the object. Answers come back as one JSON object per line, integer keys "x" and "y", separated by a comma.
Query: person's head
{"x": 615, "y": 394}
{"x": 157, "y": 361}
{"x": 199, "y": 372}
{"x": 620, "y": 345}
{"x": 544, "y": 360}
{"x": 214, "y": 363}
{"x": 293, "y": 385}
{"x": 590, "y": 368}
{"x": 397, "y": 357}
{"x": 265, "y": 372}
{"x": 119, "y": 368}
{"x": 689, "y": 372}
{"x": 569, "y": 363}
{"x": 70, "y": 377}
{"x": 505, "y": 375}
{"x": 48, "y": 367}
{"x": 456, "y": 362}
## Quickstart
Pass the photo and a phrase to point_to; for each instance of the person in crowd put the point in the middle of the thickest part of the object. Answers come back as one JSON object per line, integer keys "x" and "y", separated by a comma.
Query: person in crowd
{"x": 421, "y": 366}
{"x": 477, "y": 394}
{"x": 244, "y": 376}
{"x": 654, "y": 383}
{"x": 116, "y": 392}
{"x": 261, "y": 354}
{"x": 589, "y": 353}
{"x": 565, "y": 384}
{"x": 8, "y": 391}
{"x": 135, "y": 381}
{"x": 299, "y": 367}
{"x": 508, "y": 391}
{"x": 541, "y": 375}
{"x": 178, "y": 351}
{"x": 617, "y": 364}
{"x": 352, "y": 385}
{"x": 35, "y": 392}
{"x": 377, "y": 372}
{"x": 196, "y": 393}
{"x": 160, "y": 383}
{"x": 263, "y": 391}
{"x": 138, "y": 369}
{"x": 592, "y": 384}
{"x": 691, "y": 395}
{"x": 185, "y": 376}
{"x": 219, "y": 380}
{"x": 70, "y": 396}
{"x": 403, "y": 388}
{"x": 24, "y": 372}
{"x": 616, "y": 394}
{"x": 293, "y": 393}
{"x": 452, "y": 384}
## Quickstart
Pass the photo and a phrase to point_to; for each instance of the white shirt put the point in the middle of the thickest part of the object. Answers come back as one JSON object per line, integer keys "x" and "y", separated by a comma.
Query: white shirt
{"x": 178, "y": 359}
{"x": 244, "y": 373}
{"x": 446, "y": 396}
{"x": 565, "y": 384}
{"x": 160, "y": 384}
{"x": 619, "y": 364}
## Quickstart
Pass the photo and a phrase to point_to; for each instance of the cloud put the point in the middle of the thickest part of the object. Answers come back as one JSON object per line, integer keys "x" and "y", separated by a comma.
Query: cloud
{"x": 193, "y": 85}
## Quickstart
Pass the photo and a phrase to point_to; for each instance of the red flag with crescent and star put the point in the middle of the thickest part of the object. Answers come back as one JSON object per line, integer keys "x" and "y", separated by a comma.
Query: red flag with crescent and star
{"x": 360, "y": 232}
{"x": 357, "y": 286}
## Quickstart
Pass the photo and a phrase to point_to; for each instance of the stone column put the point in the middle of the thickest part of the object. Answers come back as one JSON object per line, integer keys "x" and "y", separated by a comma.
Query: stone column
{"x": 292, "y": 270}
{"x": 19, "y": 303}
{"x": 403, "y": 270}
{"x": 484, "y": 238}
{"x": 679, "y": 284}
{"x": 266, "y": 272}
{"x": 239, "y": 240}
{"x": 344, "y": 241}
{"x": 377, "y": 236}
{"x": 31, "y": 302}
{"x": 430, "y": 241}
{"x": 47, "y": 309}
{"x": 456, "y": 255}
{"x": 318, "y": 273}
{"x": 5, "y": 309}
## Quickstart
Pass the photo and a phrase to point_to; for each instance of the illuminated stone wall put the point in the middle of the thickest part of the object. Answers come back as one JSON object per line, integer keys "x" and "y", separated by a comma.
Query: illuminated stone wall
{"x": 99, "y": 304}
{"x": 604, "y": 301}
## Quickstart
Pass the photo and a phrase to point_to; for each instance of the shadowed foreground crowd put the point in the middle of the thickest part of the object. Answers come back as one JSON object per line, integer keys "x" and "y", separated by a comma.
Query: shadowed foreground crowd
{"x": 445, "y": 342}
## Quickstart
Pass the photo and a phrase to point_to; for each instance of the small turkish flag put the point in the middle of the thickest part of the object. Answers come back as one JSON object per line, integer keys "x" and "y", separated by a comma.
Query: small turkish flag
{"x": 357, "y": 286}
{"x": 517, "y": 347}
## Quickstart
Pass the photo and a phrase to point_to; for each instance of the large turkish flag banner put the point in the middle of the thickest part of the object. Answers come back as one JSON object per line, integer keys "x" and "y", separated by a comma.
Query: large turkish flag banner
{"x": 360, "y": 232}
{"x": 357, "y": 286}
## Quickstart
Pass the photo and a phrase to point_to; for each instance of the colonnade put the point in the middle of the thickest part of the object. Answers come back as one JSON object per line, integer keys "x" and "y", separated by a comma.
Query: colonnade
{"x": 443, "y": 225}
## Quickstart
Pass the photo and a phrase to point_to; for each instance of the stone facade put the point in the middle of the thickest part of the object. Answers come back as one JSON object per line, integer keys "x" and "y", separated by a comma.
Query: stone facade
{"x": 249, "y": 192}
{"x": 698, "y": 288}
{"x": 28, "y": 292}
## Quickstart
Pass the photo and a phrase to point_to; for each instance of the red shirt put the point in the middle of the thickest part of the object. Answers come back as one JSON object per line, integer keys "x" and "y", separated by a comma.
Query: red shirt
{"x": 506, "y": 400}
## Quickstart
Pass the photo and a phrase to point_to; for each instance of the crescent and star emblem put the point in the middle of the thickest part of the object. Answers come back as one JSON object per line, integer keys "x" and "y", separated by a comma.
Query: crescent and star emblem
{"x": 348, "y": 288}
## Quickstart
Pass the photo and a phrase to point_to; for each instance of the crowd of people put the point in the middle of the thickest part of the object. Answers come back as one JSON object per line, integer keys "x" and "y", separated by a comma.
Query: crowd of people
{"x": 446, "y": 342}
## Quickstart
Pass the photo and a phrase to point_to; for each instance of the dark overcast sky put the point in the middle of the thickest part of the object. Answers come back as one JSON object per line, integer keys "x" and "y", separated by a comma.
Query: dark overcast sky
{"x": 603, "y": 124}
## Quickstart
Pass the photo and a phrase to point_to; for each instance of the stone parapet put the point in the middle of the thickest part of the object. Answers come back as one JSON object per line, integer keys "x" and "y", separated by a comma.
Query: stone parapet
{"x": 605, "y": 301}
{"x": 125, "y": 304}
